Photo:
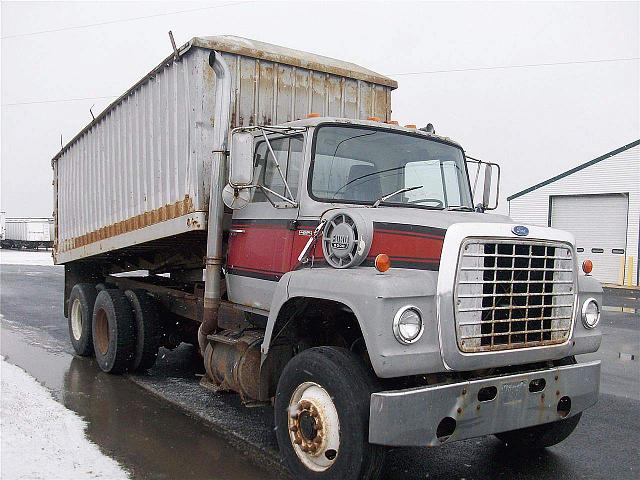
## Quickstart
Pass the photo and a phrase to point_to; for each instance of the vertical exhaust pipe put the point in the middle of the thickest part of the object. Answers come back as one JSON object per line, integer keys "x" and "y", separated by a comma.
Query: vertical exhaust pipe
{"x": 213, "y": 263}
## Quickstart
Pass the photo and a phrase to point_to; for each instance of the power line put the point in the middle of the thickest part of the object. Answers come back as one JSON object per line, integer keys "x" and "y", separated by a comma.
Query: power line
{"x": 60, "y": 100}
{"x": 471, "y": 69}
{"x": 132, "y": 19}
{"x": 527, "y": 65}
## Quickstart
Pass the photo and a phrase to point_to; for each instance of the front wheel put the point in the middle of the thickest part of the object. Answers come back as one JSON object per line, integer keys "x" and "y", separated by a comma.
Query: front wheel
{"x": 322, "y": 416}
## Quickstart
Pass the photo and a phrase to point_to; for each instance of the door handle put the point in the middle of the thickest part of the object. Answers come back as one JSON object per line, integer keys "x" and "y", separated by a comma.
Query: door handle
{"x": 236, "y": 231}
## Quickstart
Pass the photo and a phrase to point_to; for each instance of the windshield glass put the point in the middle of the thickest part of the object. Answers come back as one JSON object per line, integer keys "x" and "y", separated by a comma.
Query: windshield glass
{"x": 360, "y": 165}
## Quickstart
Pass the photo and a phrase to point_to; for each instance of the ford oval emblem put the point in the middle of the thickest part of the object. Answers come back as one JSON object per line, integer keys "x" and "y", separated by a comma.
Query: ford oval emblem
{"x": 520, "y": 230}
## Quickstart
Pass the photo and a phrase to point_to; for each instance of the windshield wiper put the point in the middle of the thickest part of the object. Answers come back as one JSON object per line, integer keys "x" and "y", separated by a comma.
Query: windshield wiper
{"x": 397, "y": 192}
{"x": 460, "y": 208}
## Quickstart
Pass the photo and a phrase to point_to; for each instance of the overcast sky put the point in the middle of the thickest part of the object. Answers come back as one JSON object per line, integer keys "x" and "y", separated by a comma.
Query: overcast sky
{"x": 535, "y": 121}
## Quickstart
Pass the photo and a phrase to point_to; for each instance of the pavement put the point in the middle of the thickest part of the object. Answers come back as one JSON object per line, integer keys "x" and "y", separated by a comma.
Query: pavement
{"x": 164, "y": 425}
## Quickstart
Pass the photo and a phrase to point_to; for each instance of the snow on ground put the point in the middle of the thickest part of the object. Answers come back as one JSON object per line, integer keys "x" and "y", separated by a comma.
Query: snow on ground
{"x": 41, "y": 439}
{"x": 25, "y": 257}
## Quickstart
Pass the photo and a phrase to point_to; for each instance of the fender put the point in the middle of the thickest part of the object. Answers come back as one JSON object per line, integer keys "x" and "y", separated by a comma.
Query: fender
{"x": 282, "y": 294}
{"x": 374, "y": 298}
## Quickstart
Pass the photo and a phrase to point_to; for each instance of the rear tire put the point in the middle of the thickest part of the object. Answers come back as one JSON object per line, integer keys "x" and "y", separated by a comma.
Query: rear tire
{"x": 113, "y": 331}
{"x": 147, "y": 329}
{"x": 328, "y": 387}
{"x": 81, "y": 302}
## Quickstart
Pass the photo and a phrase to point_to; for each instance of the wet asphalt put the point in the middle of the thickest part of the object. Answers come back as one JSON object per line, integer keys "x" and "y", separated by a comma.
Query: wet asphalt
{"x": 164, "y": 425}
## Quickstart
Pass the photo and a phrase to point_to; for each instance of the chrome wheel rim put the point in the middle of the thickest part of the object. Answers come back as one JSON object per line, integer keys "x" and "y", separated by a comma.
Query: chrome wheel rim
{"x": 314, "y": 427}
{"x": 76, "y": 319}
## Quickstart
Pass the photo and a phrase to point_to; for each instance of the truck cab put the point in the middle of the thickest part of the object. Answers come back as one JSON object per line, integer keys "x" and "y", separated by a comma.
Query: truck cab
{"x": 364, "y": 235}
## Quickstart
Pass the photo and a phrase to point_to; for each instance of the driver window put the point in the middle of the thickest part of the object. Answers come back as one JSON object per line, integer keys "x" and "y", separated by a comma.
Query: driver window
{"x": 288, "y": 151}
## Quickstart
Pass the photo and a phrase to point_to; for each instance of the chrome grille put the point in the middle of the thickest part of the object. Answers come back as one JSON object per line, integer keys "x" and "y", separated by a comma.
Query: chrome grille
{"x": 513, "y": 294}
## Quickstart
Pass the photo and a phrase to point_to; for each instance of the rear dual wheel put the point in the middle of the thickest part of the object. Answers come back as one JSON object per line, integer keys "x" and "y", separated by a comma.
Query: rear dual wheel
{"x": 126, "y": 332}
{"x": 113, "y": 331}
{"x": 122, "y": 329}
{"x": 81, "y": 302}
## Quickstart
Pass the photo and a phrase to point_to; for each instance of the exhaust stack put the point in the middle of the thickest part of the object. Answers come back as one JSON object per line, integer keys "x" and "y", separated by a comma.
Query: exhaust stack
{"x": 213, "y": 263}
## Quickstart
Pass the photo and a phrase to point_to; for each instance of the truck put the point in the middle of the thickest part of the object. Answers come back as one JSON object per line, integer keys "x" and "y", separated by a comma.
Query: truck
{"x": 260, "y": 203}
{"x": 27, "y": 232}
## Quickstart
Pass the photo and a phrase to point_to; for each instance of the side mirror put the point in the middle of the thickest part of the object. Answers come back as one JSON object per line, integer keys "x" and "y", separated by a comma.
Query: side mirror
{"x": 237, "y": 194}
{"x": 241, "y": 164}
{"x": 489, "y": 168}
{"x": 490, "y": 174}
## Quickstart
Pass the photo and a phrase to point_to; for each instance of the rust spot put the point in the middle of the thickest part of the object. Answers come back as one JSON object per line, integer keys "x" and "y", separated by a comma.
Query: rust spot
{"x": 308, "y": 445}
{"x": 164, "y": 213}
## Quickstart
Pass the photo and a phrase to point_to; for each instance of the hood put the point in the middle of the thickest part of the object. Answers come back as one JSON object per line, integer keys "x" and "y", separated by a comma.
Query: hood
{"x": 439, "y": 219}
{"x": 412, "y": 237}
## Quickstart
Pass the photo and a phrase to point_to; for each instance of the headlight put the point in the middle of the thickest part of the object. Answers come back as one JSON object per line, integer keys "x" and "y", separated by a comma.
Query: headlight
{"x": 590, "y": 313}
{"x": 407, "y": 325}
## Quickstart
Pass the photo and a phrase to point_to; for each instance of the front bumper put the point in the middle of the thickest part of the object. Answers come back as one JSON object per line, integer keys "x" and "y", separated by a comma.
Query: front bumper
{"x": 412, "y": 417}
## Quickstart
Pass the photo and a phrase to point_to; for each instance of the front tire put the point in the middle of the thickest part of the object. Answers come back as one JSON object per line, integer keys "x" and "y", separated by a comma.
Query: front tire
{"x": 113, "y": 331}
{"x": 322, "y": 416}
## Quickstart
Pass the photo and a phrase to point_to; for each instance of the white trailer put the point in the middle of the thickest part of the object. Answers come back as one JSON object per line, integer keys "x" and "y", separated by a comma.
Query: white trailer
{"x": 27, "y": 233}
{"x": 2, "y": 225}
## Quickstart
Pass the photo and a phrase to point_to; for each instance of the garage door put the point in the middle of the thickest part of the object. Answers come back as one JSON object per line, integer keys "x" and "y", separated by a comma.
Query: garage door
{"x": 599, "y": 223}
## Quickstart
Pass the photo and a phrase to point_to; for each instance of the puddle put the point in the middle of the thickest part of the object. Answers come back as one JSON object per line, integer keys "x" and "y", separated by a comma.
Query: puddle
{"x": 151, "y": 439}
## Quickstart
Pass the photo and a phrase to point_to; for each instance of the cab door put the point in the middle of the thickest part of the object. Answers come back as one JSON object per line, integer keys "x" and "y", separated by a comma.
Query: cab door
{"x": 261, "y": 235}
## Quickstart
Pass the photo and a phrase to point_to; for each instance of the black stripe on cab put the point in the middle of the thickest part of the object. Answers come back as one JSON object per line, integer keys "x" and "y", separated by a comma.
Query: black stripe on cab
{"x": 408, "y": 228}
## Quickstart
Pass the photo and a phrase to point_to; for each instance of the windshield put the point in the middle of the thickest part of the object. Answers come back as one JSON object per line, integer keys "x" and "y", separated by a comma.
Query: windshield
{"x": 361, "y": 165}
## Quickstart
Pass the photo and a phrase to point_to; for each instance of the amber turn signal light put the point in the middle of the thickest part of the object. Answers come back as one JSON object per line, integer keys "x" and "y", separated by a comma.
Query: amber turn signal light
{"x": 587, "y": 266}
{"x": 383, "y": 262}
{"x": 313, "y": 115}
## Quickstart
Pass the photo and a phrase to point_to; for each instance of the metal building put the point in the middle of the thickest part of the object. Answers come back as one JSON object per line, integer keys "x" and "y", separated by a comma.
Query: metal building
{"x": 599, "y": 202}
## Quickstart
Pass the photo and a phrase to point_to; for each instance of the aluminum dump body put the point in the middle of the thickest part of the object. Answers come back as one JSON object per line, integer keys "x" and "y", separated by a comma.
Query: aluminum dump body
{"x": 141, "y": 170}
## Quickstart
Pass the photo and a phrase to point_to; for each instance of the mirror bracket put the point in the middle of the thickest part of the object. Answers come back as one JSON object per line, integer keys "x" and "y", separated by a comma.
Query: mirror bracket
{"x": 485, "y": 204}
